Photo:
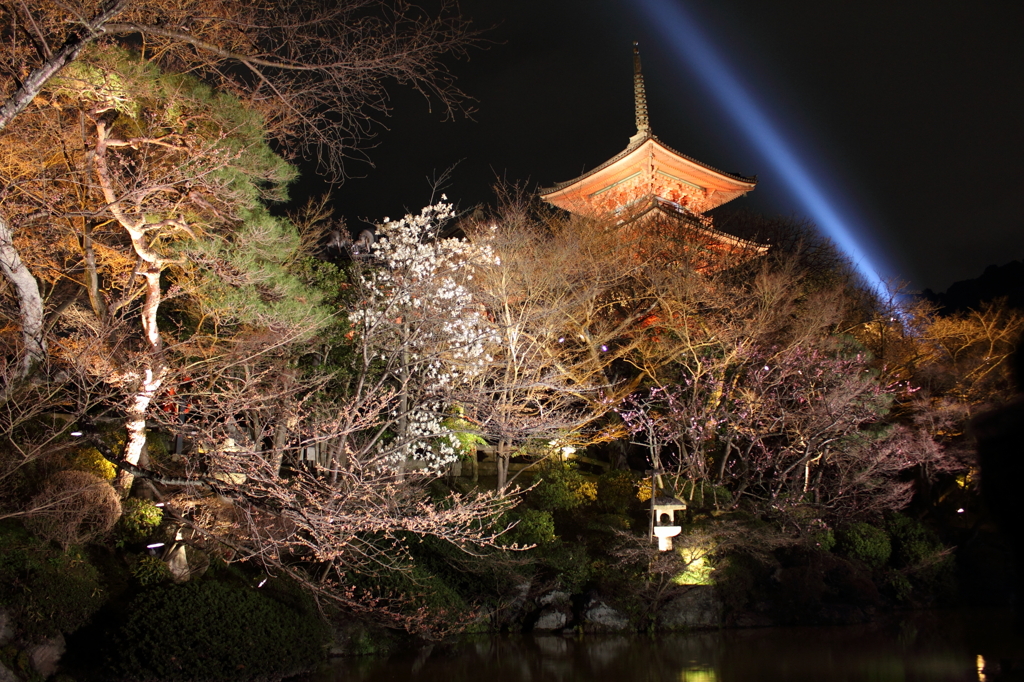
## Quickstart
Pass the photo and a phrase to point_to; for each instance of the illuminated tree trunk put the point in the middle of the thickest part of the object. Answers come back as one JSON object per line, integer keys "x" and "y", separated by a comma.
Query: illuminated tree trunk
{"x": 150, "y": 380}
{"x": 30, "y": 302}
{"x": 151, "y": 376}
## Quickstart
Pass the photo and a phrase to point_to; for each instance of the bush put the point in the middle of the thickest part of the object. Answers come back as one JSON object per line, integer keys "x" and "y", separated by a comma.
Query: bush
{"x": 533, "y": 527}
{"x": 563, "y": 487}
{"x": 616, "y": 492}
{"x": 912, "y": 543}
{"x": 48, "y": 590}
{"x": 139, "y": 518}
{"x": 150, "y": 570}
{"x": 209, "y": 630}
{"x": 570, "y": 563}
{"x": 824, "y": 539}
{"x": 864, "y": 542}
{"x": 74, "y": 508}
{"x": 92, "y": 462}
{"x": 917, "y": 551}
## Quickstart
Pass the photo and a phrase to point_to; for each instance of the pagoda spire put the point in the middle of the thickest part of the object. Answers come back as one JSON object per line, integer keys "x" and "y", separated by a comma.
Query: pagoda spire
{"x": 643, "y": 125}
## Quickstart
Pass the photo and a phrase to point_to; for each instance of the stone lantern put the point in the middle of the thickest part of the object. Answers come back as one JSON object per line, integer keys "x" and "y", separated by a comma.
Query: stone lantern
{"x": 664, "y": 526}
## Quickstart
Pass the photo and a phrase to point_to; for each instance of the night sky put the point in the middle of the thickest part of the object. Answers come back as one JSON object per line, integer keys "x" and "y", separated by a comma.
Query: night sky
{"x": 908, "y": 116}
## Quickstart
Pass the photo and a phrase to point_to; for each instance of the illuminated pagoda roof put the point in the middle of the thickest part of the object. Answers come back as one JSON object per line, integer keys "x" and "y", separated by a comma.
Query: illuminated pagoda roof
{"x": 650, "y": 174}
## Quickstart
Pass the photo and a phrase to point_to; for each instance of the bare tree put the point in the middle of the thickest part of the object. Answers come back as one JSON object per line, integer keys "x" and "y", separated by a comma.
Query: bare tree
{"x": 565, "y": 296}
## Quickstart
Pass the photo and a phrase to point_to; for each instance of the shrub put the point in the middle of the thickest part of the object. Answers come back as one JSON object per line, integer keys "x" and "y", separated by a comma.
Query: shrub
{"x": 824, "y": 539}
{"x": 610, "y": 523}
{"x": 917, "y": 551}
{"x": 92, "y": 462}
{"x": 150, "y": 570}
{"x": 139, "y": 518}
{"x": 209, "y": 630}
{"x": 570, "y": 562}
{"x": 864, "y": 542}
{"x": 563, "y": 487}
{"x": 48, "y": 590}
{"x": 912, "y": 543}
{"x": 616, "y": 491}
{"x": 533, "y": 527}
{"x": 74, "y": 507}
{"x": 898, "y": 585}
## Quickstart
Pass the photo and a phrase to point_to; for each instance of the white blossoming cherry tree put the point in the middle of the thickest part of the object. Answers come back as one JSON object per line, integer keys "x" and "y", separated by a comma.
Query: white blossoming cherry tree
{"x": 421, "y": 335}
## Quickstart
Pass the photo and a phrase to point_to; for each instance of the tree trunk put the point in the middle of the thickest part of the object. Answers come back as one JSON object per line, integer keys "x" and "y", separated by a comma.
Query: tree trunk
{"x": 502, "y": 457}
{"x": 91, "y": 276}
{"x": 30, "y": 301}
{"x": 285, "y": 425}
{"x": 151, "y": 379}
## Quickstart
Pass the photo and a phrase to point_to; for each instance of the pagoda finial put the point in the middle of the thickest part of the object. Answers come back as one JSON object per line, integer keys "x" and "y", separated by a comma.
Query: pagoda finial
{"x": 643, "y": 126}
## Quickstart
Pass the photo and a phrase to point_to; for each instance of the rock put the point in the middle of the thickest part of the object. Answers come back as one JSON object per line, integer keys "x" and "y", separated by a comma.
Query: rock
{"x": 697, "y": 608}
{"x": 551, "y": 618}
{"x": 46, "y": 656}
{"x": 554, "y": 597}
{"x": 6, "y": 628}
{"x": 177, "y": 562}
{"x": 599, "y": 617}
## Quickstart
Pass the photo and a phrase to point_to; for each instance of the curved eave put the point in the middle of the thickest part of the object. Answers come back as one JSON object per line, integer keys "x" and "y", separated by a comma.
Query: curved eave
{"x": 670, "y": 208}
{"x": 699, "y": 173}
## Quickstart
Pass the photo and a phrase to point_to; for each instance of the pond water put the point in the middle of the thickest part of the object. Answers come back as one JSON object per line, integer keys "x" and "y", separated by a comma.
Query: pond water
{"x": 917, "y": 647}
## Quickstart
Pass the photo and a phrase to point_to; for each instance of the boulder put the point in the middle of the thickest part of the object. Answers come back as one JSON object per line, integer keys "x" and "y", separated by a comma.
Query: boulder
{"x": 554, "y": 597}
{"x": 45, "y": 657}
{"x": 696, "y": 609}
{"x": 599, "y": 617}
{"x": 551, "y": 618}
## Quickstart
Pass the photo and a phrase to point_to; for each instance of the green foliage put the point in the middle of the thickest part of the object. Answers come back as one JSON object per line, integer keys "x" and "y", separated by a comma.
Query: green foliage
{"x": 241, "y": 267}
{"x": 603, "y": 523}
{"x": 616, "y": 491}
{"x": 152, "y": 101}
{"x": 912, "y": 543}
{"x": 139, "y": 519}
{"x": 91, "y": 461}
{"x": 263, "y": 287}
{"x": 563, "y": 487}
{"x": 209, "y": 630}
{"x": 533, "y": 527}
{"x": 898, "y": 585}
{"x": 570, "y": 562}
{"x": 159, "y": 446}
{"x": 824, "y": 540}
{"x": 49, "y": 591}
{"x": 464, "y": 437}
{"x": 699, "y": 567}
{"x": 919, "y": 554}
{"x": 150, "y": 570}
{"x": 864, "y": 542}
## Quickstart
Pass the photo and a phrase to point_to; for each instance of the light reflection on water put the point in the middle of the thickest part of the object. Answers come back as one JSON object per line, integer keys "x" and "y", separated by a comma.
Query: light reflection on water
{"x": 918, "y": 647}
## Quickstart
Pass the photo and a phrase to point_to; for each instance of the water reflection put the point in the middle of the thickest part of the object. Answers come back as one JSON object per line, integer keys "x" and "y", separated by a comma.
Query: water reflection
{"x": 920, "y": 647}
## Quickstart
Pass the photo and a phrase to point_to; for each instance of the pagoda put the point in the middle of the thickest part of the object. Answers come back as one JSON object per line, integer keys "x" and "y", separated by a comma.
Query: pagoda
{"x": 649, "y": 182}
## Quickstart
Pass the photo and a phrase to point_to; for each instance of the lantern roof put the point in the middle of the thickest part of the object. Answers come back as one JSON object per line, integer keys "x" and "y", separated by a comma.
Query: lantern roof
{"x": 665, "y": 503}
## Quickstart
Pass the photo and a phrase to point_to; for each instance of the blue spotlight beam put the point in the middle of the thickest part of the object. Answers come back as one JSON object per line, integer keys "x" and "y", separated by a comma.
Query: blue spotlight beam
{"x": 682, "y": 34}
